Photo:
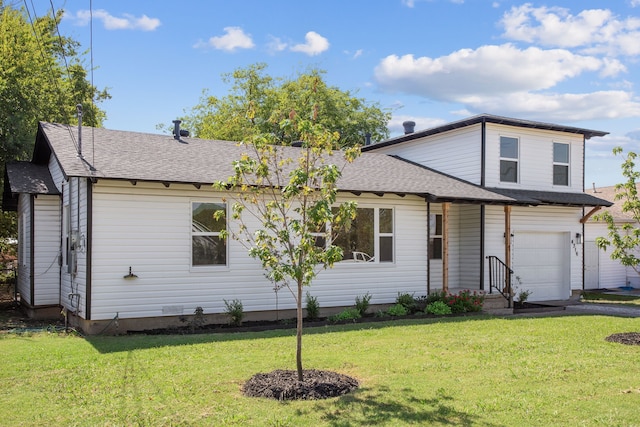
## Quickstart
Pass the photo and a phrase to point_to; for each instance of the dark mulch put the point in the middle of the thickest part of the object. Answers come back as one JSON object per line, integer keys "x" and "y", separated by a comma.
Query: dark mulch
{"x": 284, "y": 385}
{"x": 629, "y": 338}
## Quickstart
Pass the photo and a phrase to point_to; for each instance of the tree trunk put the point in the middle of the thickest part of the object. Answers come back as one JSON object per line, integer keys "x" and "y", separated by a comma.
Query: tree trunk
{"x": 299, "y": 333}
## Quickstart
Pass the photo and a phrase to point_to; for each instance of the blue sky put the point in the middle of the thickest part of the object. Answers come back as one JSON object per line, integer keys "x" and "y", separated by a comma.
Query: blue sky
{"x": 431, "y": 61}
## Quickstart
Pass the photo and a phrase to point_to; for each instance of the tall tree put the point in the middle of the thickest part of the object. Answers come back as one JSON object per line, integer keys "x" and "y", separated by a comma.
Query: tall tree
{"x": 272, "y": 99}
{"x": 624, "y": 238}
{"x": 292, "y": 198}
{"x": 41, "y": 79}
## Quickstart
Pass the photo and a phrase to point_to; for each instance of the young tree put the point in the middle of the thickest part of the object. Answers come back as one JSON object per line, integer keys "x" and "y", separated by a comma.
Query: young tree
{"x": 272, "y": 99}
{"x": 625, "y": 238}
{"x": 293, "y": 199}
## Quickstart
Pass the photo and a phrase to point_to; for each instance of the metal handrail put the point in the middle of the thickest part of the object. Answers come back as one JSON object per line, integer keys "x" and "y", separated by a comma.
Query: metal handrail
{"x": 500, "y": 278}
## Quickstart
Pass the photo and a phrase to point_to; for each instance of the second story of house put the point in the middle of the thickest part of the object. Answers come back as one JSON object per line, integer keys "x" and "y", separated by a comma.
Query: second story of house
{"x": 499, "y": 152}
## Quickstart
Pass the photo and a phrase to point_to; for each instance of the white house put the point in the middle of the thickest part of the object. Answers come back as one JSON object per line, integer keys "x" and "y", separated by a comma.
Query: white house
{"x": 602, "y": 272}
{"x": 117, "y": 225}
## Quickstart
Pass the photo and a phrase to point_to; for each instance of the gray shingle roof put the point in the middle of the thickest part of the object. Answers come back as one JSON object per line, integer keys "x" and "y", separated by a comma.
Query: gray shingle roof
{"x": 552, "y": 197}
{"x": 25, "y": 178}
{"x": 609, "y": 193}
{"x": 150, "y": 157}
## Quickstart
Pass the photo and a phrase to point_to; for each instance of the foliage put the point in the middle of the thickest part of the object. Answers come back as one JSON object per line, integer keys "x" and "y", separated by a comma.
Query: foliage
{"x": 407, "y": 301}
{"x": 362, "y": 303}
{"x": 350, "y": 313}
{"x": 41, "y": 79}
{"x": 313, "y": 307}
{"x": 523, "y": 295}
{"x": 198, "y": 320}
{"x": 292, "y": 192}
{"x": 272, "y": 99}
{"x": 465, "y": 301}
{"x": 625, "y": 238}
{"x": 235, "y": 311}
{"x": 438, "y": 308}
{"x": 397, "y": 310}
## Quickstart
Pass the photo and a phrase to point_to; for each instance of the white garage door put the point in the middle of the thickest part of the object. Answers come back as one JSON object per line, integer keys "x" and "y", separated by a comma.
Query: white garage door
{"x": 540, "y": 260}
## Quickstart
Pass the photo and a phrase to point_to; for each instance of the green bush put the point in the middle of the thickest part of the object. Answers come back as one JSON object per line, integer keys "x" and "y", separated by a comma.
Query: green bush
{"x": 351, "y": 313}
{"x": 362, "y": 304}
{"x": 407, "y": 301}
{"x": 397, "y": 310}
{"x": 235, "y": 311}
{"x": 313, "y": 307}
{"x": 437, "y": 296}
{"x": 438, "y": 308}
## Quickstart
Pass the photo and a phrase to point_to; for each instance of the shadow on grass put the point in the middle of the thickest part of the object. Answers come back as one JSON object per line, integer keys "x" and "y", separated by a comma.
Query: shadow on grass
{"x": 112, "y": 344}
{"x": 381, "y": 406}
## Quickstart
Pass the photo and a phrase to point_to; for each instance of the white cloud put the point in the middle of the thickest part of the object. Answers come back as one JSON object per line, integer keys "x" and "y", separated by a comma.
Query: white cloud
{"x": 495, "y": 5}
{"x": 234, "y": 38}
{"x": 593, "y": 31}
{"x": 314, "y": 44}
{"x": 561, "y": 108}
{"x": 635, "y": 3}
{"x": 487, "y": 71}
{"x": 276, "y": 45}
{"x": 110, "y": 22}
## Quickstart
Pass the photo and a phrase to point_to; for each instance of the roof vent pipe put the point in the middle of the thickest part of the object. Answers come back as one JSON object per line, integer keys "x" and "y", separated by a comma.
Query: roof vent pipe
{"x": 79, "y": 112}
{"x": 176, "y": 129}
{"x": 367, "y": 138}
{"x": 409, "y": 126}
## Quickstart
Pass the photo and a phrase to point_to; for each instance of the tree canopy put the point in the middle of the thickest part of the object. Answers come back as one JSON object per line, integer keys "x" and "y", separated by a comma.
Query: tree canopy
{"x": 41, "y": 79}
{"x": 272, "y": 99}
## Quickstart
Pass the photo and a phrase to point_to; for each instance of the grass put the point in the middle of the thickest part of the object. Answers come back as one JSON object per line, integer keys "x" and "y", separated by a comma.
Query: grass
{"x": 472, "y": 371}
{"x": 599, "y": 297}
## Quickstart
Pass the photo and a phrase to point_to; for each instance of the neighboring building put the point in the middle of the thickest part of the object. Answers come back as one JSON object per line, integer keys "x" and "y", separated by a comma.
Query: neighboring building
{"x": 602, "y": 272}
{"x": 117, "y": 225}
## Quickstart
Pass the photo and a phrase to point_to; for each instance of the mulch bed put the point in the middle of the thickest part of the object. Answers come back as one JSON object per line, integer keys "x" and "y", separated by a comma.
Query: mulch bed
{"x": 629, "y": 338}
{"x": 284, "y": 385}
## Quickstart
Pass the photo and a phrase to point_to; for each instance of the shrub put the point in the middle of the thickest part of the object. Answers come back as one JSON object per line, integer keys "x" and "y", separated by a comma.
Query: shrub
{"x": 362, "y": 304}
{"x": 438, "y": 308}
{"x": 198, "y": 320}
{"x": 437, "y": 296}
{"x": 397, "y": 310}
{"x": 407, "y": 301}
{"x": 235, "y": 311}
{"x": 523, "y": 296}
{"x": 465, "y": 302}
{"x": 351, "y": 313}
{"x": 313, "y": 307}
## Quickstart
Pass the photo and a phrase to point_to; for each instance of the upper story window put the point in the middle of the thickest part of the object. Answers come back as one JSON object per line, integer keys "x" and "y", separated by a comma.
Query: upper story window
{"x": 509, "y": 155}
{"x": 435, "y": 240}
{"x": 207, "y": 247}
{"x": 370, "y": 237}
{"x": 560, "y": 163}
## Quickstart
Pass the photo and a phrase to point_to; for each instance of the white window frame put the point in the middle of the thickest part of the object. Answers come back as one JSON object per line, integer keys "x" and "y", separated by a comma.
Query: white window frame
{"x": 563, "y": 164}
{"x": 377, "y": 235}
{"x": 193, "y": 234}
{"x": 509, "y": 159}
{"x": 432, "y": 238}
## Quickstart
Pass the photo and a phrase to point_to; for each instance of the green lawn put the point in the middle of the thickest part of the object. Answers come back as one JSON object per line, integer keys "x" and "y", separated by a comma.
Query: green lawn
{"x": 470, "y": 371}
{"x": 599, "y": 297}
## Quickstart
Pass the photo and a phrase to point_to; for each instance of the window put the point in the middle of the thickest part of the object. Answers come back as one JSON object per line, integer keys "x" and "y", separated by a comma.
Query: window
{"x": 207, "y": 247}
{"x": 370, "y": 236}
{"x": 435, "y": 240}
{"x": 560, "y": 163}
{"x": 508, "y": 159}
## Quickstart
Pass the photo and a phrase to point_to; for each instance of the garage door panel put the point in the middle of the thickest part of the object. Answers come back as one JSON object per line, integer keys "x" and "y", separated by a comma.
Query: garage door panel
{"x": 539, "y": 259}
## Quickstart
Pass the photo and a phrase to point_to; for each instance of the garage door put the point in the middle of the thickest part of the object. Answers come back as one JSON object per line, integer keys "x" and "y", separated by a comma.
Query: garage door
{"x": 540, "y": 260}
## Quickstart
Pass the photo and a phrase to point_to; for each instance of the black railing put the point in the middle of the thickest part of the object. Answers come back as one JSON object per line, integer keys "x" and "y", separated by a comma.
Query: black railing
{"x": 500, "y": 278}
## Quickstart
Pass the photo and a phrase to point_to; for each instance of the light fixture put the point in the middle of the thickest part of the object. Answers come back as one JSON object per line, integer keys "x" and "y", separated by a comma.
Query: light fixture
{"x": 578, "y": 239}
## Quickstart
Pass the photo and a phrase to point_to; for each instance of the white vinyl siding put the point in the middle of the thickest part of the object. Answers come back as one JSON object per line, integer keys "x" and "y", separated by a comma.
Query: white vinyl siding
{"x": 47, "y": 249}
{"x": 535, "y": 158}
{"x": 611, "y": 274}
{"x": 457, "y": 152}
{"x": 24, "y": 249}
{"x": 542, "y": 219}
{"x": 147, "y": 227}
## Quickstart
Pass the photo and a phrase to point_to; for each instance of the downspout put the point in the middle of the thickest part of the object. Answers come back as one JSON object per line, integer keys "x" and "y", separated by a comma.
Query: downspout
{"x": 483, "y": 146}
{"x": 89, "y": 236}
{"x": 32, "y": 250}
{"x": 428, "y": 243}
{"x": 584, "y": 240}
